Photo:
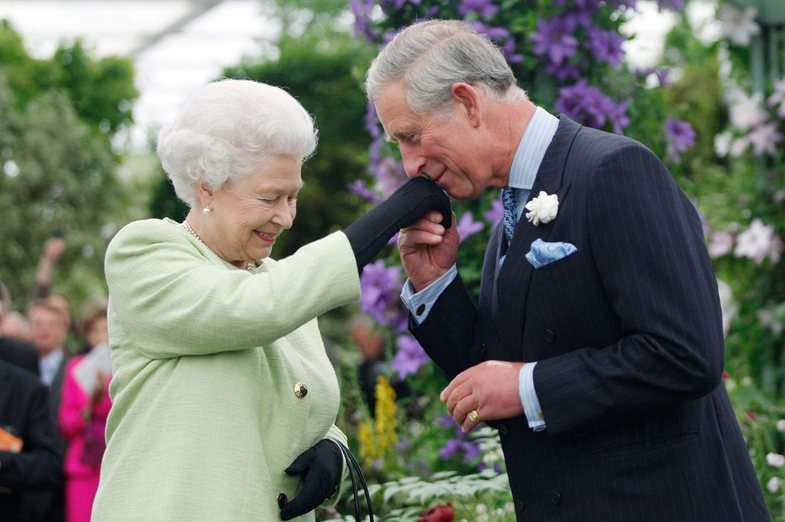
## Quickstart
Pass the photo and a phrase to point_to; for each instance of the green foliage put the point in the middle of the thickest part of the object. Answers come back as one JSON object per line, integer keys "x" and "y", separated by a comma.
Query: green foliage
{"x": 58, "y": 169}
{"x": 100, "y": 90}
{"x": 61, "y": 176}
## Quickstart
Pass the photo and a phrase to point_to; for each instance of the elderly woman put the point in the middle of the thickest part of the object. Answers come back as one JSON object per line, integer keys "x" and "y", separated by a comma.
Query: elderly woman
{"x": 224, "y": 401}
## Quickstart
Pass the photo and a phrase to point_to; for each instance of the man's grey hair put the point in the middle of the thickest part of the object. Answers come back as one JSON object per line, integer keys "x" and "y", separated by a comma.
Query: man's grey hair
{"x": 431, "y": 56}
{"x": 229, "y": 129}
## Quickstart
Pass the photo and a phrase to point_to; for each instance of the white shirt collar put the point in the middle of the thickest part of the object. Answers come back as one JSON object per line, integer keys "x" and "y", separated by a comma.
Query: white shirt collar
{"x": 48, "y": 365}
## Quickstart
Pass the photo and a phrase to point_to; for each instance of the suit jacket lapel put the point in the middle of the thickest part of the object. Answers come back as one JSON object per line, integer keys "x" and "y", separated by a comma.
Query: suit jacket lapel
{"x": 488, "y": 287}
{"x": 515, "y": 274}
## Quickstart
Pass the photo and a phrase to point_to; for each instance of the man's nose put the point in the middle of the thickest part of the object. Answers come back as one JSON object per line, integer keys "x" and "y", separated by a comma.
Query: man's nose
{"x": 413, "y": 163}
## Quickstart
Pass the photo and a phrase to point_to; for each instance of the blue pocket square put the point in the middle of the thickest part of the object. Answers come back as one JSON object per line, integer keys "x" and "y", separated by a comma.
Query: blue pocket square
{"x": 543, "y": 253}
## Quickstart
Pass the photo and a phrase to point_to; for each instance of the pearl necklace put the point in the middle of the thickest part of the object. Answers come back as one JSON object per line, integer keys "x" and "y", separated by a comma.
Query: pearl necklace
{"x": 186, "y": 225}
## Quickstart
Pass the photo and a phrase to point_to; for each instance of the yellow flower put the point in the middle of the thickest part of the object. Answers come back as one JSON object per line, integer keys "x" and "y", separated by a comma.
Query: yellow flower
{"x": 378, "y": 438}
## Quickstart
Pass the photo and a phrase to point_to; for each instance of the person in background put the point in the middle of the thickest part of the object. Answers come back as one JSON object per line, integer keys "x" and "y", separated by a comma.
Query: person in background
{"x": 44, "y": 275}
{"x": 16, "y": 326}
{"x": 49, "y": 329}
{"x": 223, "y": 399}
{"x": 30, "y": 453}
{"x": 12, "y": 348}
{"x": 597, "y": 346}
{"x": 83, "y": 412}
{"x": 370, "y": 344}
{"x": 92, "y": 327}
{"x": 53, "y": 249}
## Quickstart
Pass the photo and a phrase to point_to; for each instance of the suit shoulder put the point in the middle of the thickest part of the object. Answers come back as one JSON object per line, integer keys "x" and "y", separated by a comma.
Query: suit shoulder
{"x": 600, "y": 143}
{"x": 20, "y": 378}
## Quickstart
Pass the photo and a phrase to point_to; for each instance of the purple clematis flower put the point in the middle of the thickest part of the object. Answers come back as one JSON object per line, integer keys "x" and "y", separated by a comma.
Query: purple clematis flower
{"x": 380, "y": 287}
{"x": 588, "y": 105}
{"x": 681, "y": 136}
{"x": 554, "y": 39}
{"x": 363, "y": 27}
{"x": 673, "y": 5}
{"x": 485, "y": 8}
{"x": 605, "y": 45}
{"x": 496, "y": 213}
{"x": 409, "y": 358}
{"x": 360, "y": 188}
{"x": 467, "y": 226}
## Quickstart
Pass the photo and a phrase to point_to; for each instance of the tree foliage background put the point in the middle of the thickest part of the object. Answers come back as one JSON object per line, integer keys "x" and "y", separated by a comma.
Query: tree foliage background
{"x": 57, "y": 120}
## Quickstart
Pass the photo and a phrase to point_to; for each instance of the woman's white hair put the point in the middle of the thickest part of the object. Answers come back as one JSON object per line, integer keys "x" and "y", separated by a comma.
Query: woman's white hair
{"x": 433, "y": 55}
{"x": 229, "y": 129}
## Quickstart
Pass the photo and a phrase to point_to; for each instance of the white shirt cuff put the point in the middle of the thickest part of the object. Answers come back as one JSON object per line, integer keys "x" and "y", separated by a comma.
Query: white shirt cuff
{"x": 529, "y": 399}
{"x": 420, "y": 303}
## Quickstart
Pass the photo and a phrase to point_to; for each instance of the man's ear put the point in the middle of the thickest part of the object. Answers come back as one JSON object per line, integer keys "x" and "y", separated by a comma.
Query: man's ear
{"x": 469, "y": 98}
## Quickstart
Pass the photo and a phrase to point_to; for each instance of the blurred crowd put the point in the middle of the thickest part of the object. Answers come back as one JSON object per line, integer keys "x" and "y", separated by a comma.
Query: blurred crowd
{"x": 55, "y": 369}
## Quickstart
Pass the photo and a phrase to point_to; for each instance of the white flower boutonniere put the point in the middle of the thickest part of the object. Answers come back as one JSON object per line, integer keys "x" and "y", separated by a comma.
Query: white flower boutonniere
{"x": 543, "y": 208}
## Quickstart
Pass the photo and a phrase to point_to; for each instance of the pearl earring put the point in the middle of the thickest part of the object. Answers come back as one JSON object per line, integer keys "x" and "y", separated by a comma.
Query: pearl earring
{"x": 206, "y": 210}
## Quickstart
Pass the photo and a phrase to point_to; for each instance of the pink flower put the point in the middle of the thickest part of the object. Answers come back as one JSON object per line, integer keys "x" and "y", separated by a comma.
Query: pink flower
{"x": 721, "y": 243}
{"x": 758, "y": 242}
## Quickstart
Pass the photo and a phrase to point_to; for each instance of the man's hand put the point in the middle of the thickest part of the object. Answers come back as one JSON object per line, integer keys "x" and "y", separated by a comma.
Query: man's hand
{"x": 428, "y": 249}
{"x": 489, "y": 388}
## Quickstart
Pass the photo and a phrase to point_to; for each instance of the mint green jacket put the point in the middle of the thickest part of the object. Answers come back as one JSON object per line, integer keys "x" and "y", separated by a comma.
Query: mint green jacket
{"x": 206, "y": 358}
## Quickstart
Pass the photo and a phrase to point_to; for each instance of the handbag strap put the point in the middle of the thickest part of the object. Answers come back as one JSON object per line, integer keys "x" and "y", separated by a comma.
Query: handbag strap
{"x": 357, "y": 475}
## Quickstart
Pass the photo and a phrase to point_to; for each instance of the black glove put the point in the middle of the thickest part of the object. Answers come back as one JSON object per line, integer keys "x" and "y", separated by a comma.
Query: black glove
{"x": 404, "y": 207}
{"x": 320, "y": 467}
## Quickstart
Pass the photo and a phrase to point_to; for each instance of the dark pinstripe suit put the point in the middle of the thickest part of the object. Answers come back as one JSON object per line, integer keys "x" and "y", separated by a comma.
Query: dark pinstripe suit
{"x": 628, "y": 338}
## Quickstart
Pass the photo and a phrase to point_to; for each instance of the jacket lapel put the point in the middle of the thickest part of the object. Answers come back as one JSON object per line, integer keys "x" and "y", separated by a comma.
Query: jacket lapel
{"x": 515, "y": 274}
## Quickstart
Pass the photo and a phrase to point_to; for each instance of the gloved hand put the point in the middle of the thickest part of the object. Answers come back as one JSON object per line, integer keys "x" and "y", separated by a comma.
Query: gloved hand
{"x": 320, "y": 467}
{"x": 404, "y": 207}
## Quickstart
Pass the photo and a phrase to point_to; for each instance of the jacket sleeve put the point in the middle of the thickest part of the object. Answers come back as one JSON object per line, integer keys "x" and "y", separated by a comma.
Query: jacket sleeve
{"x": 335, "y": 434}
{"x": 451, "y": 335}
{"x": 174, "y": 298}
{"x": 647, "y": 242}
{"x": 39, "y": 465}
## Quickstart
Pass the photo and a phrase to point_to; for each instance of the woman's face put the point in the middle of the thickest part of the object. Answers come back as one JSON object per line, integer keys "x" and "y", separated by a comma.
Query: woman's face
{"x": 248, "y": 215}
{"x": 98, "y": 332}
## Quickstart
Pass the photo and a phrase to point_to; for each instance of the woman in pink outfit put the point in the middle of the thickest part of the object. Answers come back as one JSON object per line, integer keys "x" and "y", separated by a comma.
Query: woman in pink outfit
{"x": 83, "y": 411}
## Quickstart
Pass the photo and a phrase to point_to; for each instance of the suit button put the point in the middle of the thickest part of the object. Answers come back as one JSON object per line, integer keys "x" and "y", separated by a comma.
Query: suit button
{"x": 502, "y": 428}
{"x": 555, "y": 497}
{"x": 520, "y": 505}
{"x": 300, "y": 390}
{"x": 549, "y": 335}
{"x": 420, "y": 309}
{"x": 281, "y": 499}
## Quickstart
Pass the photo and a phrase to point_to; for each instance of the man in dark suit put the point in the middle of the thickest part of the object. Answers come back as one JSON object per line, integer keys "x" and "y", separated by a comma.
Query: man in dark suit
{"x": 19, "y": 353}
{"x": 15, "y": 351}
{"x": 49, "y": 329}
{"x": 596, "y": 348}
{"x": 24, "y": 416}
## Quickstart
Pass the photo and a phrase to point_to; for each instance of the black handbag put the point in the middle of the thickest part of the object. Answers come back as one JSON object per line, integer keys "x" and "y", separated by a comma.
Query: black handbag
{"x": 357, "y": 476}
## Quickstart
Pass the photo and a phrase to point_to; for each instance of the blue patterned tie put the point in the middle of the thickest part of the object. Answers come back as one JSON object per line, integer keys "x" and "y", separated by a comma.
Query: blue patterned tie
{"x": 510, "y": 211}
